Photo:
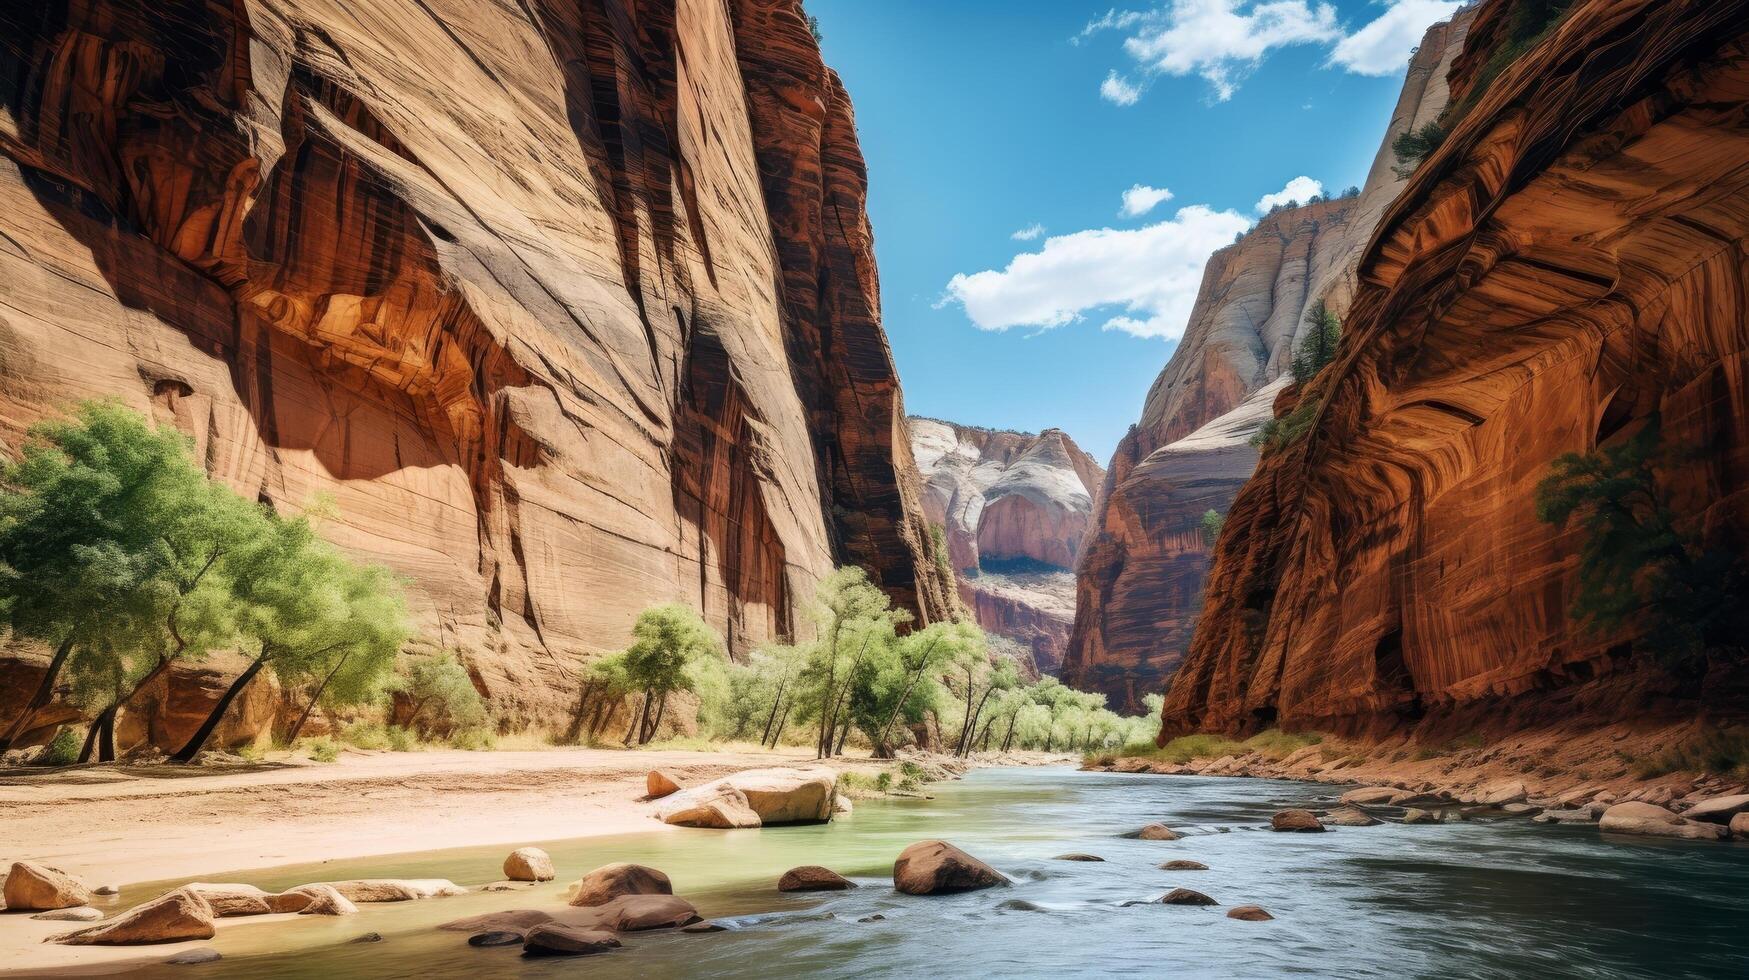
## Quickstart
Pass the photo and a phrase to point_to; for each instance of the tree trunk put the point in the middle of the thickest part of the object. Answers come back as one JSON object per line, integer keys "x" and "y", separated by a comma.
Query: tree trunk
{"x": 574, "y": 733}
{"x": 187, "y": 753}
{"x": 637, "y": 724}
{"x": 910, "y": 686}
{"x": 967, "y": 740}
{"x": 656, "y": 722}
{"x": 782, "y": 723}
{"x": 843, "y": 733}
{"x": 769, "y": 719}
{"x": 45, "y": 691}
{"x": 298, "y": 725}
{"x": 106, "y": 737}
{"x": 1008, "y": 739}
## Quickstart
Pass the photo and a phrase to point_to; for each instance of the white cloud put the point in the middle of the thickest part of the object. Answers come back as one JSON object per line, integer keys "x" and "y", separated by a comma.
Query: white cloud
{"x": 1300, "y": 189}
{"x": 1149, "y": 274}
{"x": 1117, "y": 89}
{"x": 1383, "y": 46}
{"x": 1112, "y": 20}
{"x": 1140, "y": 199}
{"x": 1223, "y": 41}
{"x": 1028, "y": 233}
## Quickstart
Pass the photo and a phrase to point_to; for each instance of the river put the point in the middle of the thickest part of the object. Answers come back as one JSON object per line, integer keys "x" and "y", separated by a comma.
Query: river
{"x": 1495, "y": 899}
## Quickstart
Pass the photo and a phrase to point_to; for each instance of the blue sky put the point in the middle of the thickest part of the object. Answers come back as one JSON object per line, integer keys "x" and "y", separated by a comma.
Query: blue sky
{"x": 981, "y": 119}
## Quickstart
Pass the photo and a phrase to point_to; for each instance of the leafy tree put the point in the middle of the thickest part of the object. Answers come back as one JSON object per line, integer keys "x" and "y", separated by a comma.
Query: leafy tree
{"x": 667, "y": 640}
{"x": 1350, "y": 191}
{"x": 605, "y": 685}
{"x": 853, "y": 615}
{"x": 914, "y": 687}
{"x": 780, "y": 666}
{"x": 299, "y": 607}
{"x": 108, "y": 530}
{"x": 440, "y": 695}
{"x": 1636, "y": 567}
{"x": 1318, "y": 348}
{"x": 1212, "y": 522}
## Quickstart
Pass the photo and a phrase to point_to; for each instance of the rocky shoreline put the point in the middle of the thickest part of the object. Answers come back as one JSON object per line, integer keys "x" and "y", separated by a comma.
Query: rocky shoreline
{"x": 1546, "y": 778}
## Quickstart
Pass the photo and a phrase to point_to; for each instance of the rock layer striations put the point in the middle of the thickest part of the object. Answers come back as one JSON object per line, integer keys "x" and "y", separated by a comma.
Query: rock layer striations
{"x": 570, "y": 305}
{"x": 1572, "y": 261}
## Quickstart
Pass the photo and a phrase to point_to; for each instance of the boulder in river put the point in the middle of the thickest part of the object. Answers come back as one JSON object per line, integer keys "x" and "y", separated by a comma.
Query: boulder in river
{"x": 1652, "y": 820}
{"x": 842, "y": 804}
{"x": 230, "y": 900}
{"x": 1500, "y": 793}
{"x": 326, "y": 900}
{"x": 1349, "y": 816}
{"x": 1564, "y": 816}
{"x": 1740, "y": 826}
{"x": 32, "y": 887}
{"x": 1370, "y": 795}
{"x": 1414, "y": 815}
{"x": 934, "y": 867}
{"x": 499, "y": 937}
{"x": 659, "y": 783}
{"x": 611, "y": 881}
{"x": 372, "y": 890}
{"x": 638, "y": 913}
{"x": 714, "y": 806}
{"x": 1249, "y": 913}
{"x": 1296, "y": 821}
{"x": 529, "y": 864}
{"x": 553, "y": 939}
{"x": 514, "y": 920}
{"x": 1719, "y": 809}
{"x": 786, "y": 795}
{"x": 1079, "y": 857}
{"x": 813, "y": 878}
{"x": 191, "y": 957}
{"x": 172, "y": 918}
{"x": 1184, "y": 866}
{"x": 1186, "y": 896}
{"x": 1156, "y": 831}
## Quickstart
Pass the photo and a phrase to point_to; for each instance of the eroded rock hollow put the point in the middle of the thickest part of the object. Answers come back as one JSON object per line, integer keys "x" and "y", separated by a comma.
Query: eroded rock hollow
{"x": 570, "y": 306}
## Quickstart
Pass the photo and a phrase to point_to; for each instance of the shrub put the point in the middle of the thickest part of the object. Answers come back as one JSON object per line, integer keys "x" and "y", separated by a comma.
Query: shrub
{"x": 1212, "y": 522}
{"x": 324, "y": 750}
{"x": 1720, "y": 752}
{"x": 1412, "y": 146}
{"x": 62, "y": 750}
{"x": 377, "y": 737}
{"x": 474, "y": 740}
{"x": 441, "y": 696}
{"x": 1290, "y": 428}
{"x": 1279, "y": 744}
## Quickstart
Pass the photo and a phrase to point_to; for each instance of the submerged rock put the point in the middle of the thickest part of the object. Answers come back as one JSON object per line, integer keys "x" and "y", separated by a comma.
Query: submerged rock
{"x": 179, "y": 915}
{"x": 515, "y": 920}
{"x": 1413, "y": 815}
{"x": 1156, "y": 831}
{"x": 1249, "y": 913}
{"x": 369, "y": 937}
{"x": 1296, "y": 821}
{"x": 813, "y": 878}
{"x": 705, "y": 925}
{"x": 1186, "y": 896}
{"x": 639, "y": 913}
{"x": 204, "y": 954}
{"x": 1184, "y": 866}
{"x": 373, "y": 890}
{"x": 612, "y": 881}
{"x": 502, "y": 937}
{"x": 552, "y": 939}
{"x": 1079, "y": 857}
{"x": 38, "y": 887}
{"x": 1655, "y": 821}
{"x": 1349, "y": 816}
{"x": 934, "y": 867}
{"x": 529, "y": 864}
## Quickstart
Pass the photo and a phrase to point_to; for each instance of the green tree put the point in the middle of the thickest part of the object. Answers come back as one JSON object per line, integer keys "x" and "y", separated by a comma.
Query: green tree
{"x": 780, "y": 667}
{"x": 1212, "y": 522}
{"x": 1636, "y": 567}
{"x": 440, "y": 695}
{"x": 921, "y": 656}
{"x": 1318, "y": 347}
{"x": 852, "y": 614}
{"x": 666, "y": 642}
{"x": 107, "y": 532}
{"x": 299, "y": 607}
{"x": 605, "y": 685}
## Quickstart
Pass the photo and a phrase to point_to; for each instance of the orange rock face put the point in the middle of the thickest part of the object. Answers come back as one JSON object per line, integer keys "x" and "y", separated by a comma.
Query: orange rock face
{"x": 1141, "y": 577}
{"x": 1014, "y": 508}
{"x": 1569, "y": 262}
{"x": 570, "y": 307}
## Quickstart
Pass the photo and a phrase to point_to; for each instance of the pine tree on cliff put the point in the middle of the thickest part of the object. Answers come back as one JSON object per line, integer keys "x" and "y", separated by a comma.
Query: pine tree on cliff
{"x": 1318, "y": 348}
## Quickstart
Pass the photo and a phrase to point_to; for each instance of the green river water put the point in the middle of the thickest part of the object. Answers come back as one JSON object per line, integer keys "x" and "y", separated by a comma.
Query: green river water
{"x": 1499, "y": 899}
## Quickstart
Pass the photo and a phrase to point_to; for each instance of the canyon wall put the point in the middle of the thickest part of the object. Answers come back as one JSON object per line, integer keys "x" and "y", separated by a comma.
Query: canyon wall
{"x": 569, "y": 306}
{"x": 1014, "y": 508}
{"x": 1141, "y": 578}
{"x": 1569, "y": 266}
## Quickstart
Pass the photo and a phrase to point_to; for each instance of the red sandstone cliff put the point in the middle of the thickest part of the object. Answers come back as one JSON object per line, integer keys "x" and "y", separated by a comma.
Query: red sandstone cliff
{"x": 1014, "y": 508}
{"x": 569, "y": 305}
{"x": 1140, "y": 581}
{"x": 1572, "y": 260}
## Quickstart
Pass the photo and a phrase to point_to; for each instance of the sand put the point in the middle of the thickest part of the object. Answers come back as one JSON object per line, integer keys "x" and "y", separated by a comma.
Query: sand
{"x": 125, "y": 826}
